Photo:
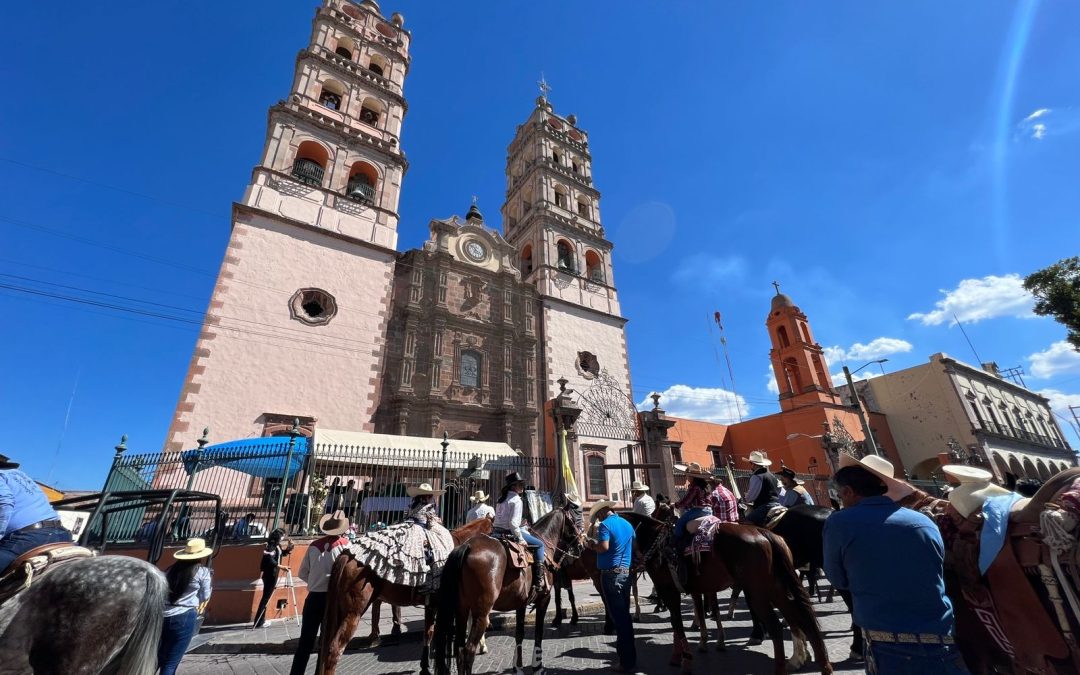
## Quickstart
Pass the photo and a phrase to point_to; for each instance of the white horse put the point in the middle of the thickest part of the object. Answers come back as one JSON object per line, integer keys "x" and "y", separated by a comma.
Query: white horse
{"x": 91, "y": 616}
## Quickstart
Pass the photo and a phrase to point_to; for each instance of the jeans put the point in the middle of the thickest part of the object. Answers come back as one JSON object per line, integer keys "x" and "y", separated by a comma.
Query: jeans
{"x": 893, "y": 658}
{"x": 176, "y": 634}
{"x": 615, "y": 590}
{"x": 269, "y": 580}
{"x": 532, "y": 540}
{"x": 16, "y": 543}
{"x": 314, "y": 608}
{"x": 687, "y": 516}
{"x": 759, "y": 514}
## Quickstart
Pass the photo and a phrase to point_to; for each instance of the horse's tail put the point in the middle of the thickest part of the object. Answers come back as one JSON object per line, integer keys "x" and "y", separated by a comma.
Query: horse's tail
{"x": 784, "y": 571}
{"x": 446, "y": 609}
{"x": 139, "y": 656}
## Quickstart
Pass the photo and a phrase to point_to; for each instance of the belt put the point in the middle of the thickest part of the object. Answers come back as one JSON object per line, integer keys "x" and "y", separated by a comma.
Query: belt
{"x": 615, "y": 570}
{"x": 908, "y": 638}
{"x": 41, "y": 524}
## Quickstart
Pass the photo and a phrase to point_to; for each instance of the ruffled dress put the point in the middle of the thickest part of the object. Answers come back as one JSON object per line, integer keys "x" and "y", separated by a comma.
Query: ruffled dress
{"x": 411, "y": 553}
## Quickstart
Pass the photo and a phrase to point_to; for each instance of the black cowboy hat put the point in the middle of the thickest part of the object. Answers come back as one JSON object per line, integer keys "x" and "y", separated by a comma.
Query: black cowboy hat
{"x": 6, "y": 463}
{"x": 513, "y": 477}
{"x": 790, "y": 474}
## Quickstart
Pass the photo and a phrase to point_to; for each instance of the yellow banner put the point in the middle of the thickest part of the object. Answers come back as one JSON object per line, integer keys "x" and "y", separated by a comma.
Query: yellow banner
{"x": 568, "y": 473}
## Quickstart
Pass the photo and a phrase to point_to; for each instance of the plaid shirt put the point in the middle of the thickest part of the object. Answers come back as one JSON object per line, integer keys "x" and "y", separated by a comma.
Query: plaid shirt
{"x": 724, "y": 505}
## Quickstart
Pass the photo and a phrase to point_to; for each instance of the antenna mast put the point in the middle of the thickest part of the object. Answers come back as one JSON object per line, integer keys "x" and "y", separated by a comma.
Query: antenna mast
{"x": 727, "y": 358}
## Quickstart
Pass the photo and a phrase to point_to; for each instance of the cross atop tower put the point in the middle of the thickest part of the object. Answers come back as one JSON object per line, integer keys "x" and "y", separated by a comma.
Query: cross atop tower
{"x": 544, "y": 86}
{"x": 776, "y": 285}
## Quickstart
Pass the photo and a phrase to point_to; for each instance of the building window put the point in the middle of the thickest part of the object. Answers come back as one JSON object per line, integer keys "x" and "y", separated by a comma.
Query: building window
{"x": 436, "y": 373}
{"x": 597, "y": 475}
{"x": 782, "y": 336}
{"x": 470, "y": 369}
{"x": 583, "y": 208}
{"x": 526, "y": 260}
{"x": 370, "y": 112}
{"x": 557, "y": 157}
{"x": 676, "y": 454}
{"x": 363, "y": 178}
{"x": 309, "y": 167}
{"x": 378, "y": 65}
{"x": 331, "y": 94}
{"x": 717, "y": 456}
{"x": 312, "y": 306}
{"x": 594, "y": 267}
{"x": 575, "y": 167}
{"x": 442, "y": 287}
{"x": 588, "y": 365}
{"x": 566, "y": 256}
{"x": 560, "y": 198}
{"x": 343, "y": 53}
{"x": 375, "y": 68}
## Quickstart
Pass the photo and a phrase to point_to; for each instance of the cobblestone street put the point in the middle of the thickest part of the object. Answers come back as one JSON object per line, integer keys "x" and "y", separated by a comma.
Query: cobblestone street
{"x": 581, "y": 648}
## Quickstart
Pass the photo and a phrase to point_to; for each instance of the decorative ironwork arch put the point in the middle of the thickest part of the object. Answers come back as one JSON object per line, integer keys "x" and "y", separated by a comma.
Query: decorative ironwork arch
{"x": 607, "y": 411}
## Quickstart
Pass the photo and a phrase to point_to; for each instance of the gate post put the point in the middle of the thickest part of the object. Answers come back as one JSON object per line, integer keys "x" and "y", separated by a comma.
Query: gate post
{"x": 117, "y": 458}
{"x": 564, "y": 413}
{"x": 656, "y": 426}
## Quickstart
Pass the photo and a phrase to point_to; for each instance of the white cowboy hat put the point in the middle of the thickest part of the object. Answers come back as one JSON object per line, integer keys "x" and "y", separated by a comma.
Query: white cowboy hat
{"x": 573, "y": 499}
{"x": 638, "y": 486}
{"x": 598, "y": 506}
{"x": 335, "y": 523}
{"x": 196, "y": 548}
{"x": 759, "y": 458}
{"x": 478, "y": 497}
{"x": 975, "y": 487}
{"x": 693, "y": 469}
{"x": 422, "y": 489}
{"x": 883, "y": 469}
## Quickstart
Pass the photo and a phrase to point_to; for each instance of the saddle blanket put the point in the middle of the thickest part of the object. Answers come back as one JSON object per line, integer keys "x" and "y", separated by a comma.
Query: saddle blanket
{"x": 703, "y": 538}
{"x": 406, "y": 554}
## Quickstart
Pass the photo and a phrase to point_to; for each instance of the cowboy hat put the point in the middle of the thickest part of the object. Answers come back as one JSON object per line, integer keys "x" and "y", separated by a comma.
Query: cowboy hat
{"x": 479, "y": 496}
{"x": 335, "y": 523}
{"x": 196, "y": 548}
{"x": 790, "y": 474}
{"x": 599, "y": 506}
{"x": 759, "y": 458}
{"x": 883, "y": 469}
{"x": 694, "y": 469}
{"x": 6, "y": 463}
{"x": 638, "y": 486}
{"x": 422, "y": 489}
{"x": 975, "y": 487}
{"x": 573, "y": 499}
{"x": 513, "y": 477}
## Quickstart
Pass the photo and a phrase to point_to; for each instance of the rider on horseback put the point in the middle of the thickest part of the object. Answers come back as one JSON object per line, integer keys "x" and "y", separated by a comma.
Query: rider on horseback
{"x": 26, "y": 518}
{"x": 764, "y": 491}
{"x": 508, "y": 521}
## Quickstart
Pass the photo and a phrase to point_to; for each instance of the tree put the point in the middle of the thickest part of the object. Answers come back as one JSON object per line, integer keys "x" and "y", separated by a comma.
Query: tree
{"x": 1057, "y": 294}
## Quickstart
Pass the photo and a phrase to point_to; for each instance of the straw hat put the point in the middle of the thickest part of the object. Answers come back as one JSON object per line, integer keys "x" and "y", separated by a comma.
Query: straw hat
{"x": 196, "y": 548}
{"x": 975, "y": 487}
{"x": 759, "y": 458}
{"x": 638, "y": 486}
{"x": 335, "y": 523}
{"x": 422, "y": 489}
{"x": 598, "y": 506}
{"x": 479, "y": 496}
{"x": 573, "y": 499}
{"x": 694, "y": 469}
{"x": 883, "y": 469}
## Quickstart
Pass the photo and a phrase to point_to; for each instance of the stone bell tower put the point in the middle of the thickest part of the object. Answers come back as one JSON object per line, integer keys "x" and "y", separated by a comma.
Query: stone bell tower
{"x": 798, "y": 361}
{"x": 552, "y": 217}
{"x": 297, "y": 320}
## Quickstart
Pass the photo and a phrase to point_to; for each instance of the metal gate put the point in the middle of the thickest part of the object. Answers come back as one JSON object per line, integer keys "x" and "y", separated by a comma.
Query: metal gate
{"x": 608, "y": 412}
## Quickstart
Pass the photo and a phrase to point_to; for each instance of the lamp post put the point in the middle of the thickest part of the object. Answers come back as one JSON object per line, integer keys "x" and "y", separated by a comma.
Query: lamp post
{"x": 442, "y": 480}
{"x": 293, "y": 433}
{"x": 856, "y": 403}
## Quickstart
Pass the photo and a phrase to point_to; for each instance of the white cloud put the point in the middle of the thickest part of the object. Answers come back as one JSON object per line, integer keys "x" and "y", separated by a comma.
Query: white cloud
{"x": 976, "y": 299}
{"x": 770, "y": 382}
{"x": 875, "y": 349}
{"x": 1056, "y": 359}
{"x": 1037, "y": 114}
{"x": 705, "y": 270}
{"x": 1046, "y": 122}
{"x": 1038, "y": 131}
{"x": 701, "y": 403}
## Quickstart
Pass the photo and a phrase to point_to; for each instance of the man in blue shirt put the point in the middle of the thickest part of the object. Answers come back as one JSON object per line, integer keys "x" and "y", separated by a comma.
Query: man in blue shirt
{"x": 26, "y": 519}
{"x": 890, "y": 559}
{"x": 614, "y": 545}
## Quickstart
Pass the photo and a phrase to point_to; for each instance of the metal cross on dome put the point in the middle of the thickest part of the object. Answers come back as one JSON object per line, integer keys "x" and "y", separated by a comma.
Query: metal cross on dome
{"x": 776, "y": 284}
{"x": 544, "y": 86}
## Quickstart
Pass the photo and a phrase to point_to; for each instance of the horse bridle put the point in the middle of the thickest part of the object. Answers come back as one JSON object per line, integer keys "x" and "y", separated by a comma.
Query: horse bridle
{"x": 571, "y": 553}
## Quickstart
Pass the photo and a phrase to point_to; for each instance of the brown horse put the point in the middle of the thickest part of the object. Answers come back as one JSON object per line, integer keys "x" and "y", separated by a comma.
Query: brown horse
{"x": 354, "y": 587}
{"x": 755, "y": 559}
{"x": 479, "y": 578}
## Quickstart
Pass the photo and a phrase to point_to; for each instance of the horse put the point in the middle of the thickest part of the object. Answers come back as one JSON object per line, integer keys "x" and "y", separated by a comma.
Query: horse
{"x": 85, "y": 617}
{"x": 579, "y": 569}
{"x": 479, "y": 578}
{"x": 756, "y": 560}
{"x": 354, "y": 587}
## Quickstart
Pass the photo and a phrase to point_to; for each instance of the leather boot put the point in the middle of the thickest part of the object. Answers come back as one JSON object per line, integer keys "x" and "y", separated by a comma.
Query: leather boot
{"x": 538, "y": 574}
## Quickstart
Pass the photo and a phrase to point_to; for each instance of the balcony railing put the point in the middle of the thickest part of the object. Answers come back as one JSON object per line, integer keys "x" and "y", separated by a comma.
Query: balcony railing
{"x": 360, "y": 191}
{"x": 308, "y": 171}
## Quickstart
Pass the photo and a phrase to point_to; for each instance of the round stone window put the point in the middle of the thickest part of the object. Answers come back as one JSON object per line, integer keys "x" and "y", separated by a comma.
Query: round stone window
{"x": 312, "y": 306}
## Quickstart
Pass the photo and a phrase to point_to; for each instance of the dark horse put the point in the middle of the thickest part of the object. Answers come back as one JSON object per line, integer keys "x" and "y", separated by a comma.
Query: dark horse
{"x": 479, "y": 578}
{"x": 754, "y": 559}
{"x": 353, "y": 587}
{"x": 88, "y": 616}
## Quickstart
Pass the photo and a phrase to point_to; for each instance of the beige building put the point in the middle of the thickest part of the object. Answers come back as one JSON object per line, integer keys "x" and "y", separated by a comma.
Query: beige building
{"x": 952, "y": 412}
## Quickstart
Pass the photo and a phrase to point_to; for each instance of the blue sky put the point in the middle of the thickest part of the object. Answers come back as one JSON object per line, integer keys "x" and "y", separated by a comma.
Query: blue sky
{"x": 879, "y": 160}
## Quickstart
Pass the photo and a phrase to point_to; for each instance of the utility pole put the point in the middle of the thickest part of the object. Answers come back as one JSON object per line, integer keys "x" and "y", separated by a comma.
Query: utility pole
{"x": 1076, "y": 419}
{"x": 857, "y": 402}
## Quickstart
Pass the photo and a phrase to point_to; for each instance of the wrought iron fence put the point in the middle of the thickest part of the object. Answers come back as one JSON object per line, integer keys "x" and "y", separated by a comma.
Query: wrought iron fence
{"x": 291, "y": 483}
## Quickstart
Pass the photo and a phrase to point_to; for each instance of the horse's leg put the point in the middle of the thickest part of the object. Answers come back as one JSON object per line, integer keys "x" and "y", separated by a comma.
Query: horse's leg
{"x": 519, "y": 638}
{"x": 375, "y": 638}
{"x": 761, "y": 608}
{"x": 395, "y": 611}
{"x": 538, "y": 646}
{"x": 348, "y": 599}
{"x": 637, "y": 604}
{"x": 556, "y": 589}
{"x": 573, "y": 603}
{"x": 429, "y": 632}
{"x": 735, "y": 590}
{"x": 699, "y": 620}
{"x": 721, "y": 638}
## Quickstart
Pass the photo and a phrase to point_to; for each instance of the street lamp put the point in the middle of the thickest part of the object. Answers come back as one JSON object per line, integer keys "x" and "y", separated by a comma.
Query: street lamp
{"x": 857, "y": 404}
{"x": 792, "y": 437}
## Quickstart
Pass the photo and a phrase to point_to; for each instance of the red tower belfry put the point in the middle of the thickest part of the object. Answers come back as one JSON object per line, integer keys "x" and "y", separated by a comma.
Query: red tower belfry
{"x": 798, "y": 362}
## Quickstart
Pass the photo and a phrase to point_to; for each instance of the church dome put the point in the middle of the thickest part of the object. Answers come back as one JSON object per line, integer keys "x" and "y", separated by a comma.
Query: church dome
{"x": 781, "y": 300}
{"x": 474, "y": 215}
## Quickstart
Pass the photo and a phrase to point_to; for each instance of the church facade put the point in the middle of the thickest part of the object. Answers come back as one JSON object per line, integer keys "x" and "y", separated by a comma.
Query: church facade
{"x": 316, "y": 315}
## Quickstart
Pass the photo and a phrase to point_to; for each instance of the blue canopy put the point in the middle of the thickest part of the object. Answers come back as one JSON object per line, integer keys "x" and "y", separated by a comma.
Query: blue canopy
{"x": 260, "y": 457}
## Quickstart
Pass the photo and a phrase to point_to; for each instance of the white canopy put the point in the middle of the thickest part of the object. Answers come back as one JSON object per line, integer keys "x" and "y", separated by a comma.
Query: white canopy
{"x": 343, "y": 445}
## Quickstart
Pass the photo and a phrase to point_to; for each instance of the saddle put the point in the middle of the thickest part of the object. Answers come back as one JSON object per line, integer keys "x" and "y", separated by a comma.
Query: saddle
{"x": 773, "y": 516}
{"x": 703, "y": 535}
{"x": 518, "y": 553}
{"x": 35, "y": 563}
